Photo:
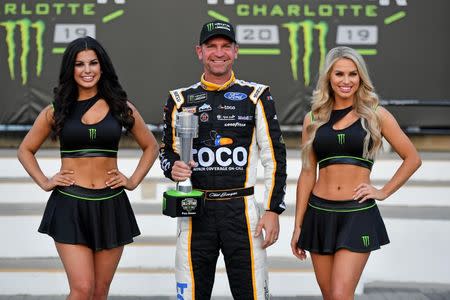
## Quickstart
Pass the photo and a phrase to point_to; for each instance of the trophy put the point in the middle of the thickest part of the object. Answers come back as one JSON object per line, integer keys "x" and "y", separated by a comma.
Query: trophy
{"x": 184, "y": 201}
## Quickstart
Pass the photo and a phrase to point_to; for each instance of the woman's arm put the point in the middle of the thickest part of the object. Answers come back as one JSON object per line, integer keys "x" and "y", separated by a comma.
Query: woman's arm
{"x": 306, "y": 180}
{"x": 149, "y": 146}
{"x": 305, "y": 185}
{"x": 404, "y": 148}
{"x": 30, "y": 145}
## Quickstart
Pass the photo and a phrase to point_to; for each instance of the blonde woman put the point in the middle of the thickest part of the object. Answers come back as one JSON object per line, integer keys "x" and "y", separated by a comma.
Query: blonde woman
{"x": 337, "y": 219}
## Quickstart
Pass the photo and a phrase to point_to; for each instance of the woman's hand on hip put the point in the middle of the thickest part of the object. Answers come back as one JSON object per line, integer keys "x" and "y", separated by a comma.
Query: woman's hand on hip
{"x": 117, "y": 180}
{"x": 62, "y": 178}
{"x": 366, "y": 191}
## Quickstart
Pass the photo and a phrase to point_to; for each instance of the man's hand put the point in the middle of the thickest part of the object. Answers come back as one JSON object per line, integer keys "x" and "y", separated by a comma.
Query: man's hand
{"x": 271, "y": 225}
{"x": 181, "y": 171}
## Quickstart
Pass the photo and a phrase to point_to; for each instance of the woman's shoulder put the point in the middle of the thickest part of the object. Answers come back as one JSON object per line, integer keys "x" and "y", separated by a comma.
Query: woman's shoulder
{"x": 309, "y": 118}
{"x": 49, "y": 110}
{"x": 382, "y": 112}
{"x": 46, "y": 115}
{"x": 131, "y": 105}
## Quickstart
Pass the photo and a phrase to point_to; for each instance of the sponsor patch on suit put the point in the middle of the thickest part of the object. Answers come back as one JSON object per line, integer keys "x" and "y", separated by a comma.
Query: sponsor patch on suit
{"x": 235, "y": 96}
{"x": 204, "y": 107}
{"x": 190, "y": 109}
{"x": 197, "y": 98}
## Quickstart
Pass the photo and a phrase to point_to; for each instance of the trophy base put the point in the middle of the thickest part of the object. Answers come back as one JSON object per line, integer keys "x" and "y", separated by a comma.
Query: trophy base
{"x": 179, "y": 204}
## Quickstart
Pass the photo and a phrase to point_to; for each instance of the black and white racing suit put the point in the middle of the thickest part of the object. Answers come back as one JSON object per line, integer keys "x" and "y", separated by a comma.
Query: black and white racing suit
{"x": 237, "y": 125}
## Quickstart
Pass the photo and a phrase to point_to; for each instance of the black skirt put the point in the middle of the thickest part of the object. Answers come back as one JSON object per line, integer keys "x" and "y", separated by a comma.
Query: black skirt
{"x": 332, "y": 225}
{"x": 98, "y": 218}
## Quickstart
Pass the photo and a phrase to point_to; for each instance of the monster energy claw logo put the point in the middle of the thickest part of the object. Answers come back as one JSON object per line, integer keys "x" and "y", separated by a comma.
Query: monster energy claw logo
{"x": 308, "y": 27}
{"x": 92, "y": 133}
{"x": 365, "y": 240}
{"x": 25, "y": 26}
{"x": 210, "y": 26}
{"x": 341, "y": 138}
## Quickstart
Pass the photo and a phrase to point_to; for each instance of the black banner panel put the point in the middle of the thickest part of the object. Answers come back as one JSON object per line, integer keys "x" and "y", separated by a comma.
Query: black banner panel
{"x": 282, "y": 44}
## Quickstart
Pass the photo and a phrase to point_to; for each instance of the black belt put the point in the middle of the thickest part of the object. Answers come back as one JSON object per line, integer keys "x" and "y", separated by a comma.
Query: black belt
{"x": 228, "y": 194}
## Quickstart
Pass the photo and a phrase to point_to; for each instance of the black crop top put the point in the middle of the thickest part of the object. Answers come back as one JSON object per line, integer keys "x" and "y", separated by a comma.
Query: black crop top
{"x": 94, "y": 140}
{"x": 343, "y": 146}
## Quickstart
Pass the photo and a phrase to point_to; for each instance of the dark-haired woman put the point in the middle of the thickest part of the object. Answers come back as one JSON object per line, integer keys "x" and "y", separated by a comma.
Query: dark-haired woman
{"x": 88, "y": 214}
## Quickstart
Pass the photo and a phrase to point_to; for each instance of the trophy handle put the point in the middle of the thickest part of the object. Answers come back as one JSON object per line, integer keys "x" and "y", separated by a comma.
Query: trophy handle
{"x": 186, "y": 130}
{"x": 184, "y": 186}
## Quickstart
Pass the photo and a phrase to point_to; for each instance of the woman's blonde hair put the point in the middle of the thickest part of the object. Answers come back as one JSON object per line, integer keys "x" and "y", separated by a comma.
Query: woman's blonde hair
{"x": 365, "y": 103}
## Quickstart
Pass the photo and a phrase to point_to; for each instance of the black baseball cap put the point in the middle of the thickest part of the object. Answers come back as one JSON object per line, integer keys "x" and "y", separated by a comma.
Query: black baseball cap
{"x": 216, "y": 28}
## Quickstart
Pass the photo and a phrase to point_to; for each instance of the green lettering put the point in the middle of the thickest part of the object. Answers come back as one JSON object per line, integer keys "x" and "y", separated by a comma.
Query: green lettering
{"x": 243, "y": 10}
{"x": 356, "y": 9}
{"x": 325, "y": 10}
{"x": 307, "y": 12}
{"x": 341, "y": 9}
{"x": 293, "y": 10}
{"x": 42, "y": 9}
{"x": 88, "y": 9}
{"x": 10, "y": 9}
{"x": 58, "y": 7}
{"x": 260, "y": 10}
{"x": 371, "y": 11}
{"x": 23, "y": 9}
{"x": 73, "y": 7}
{"x": 276, "y": 11}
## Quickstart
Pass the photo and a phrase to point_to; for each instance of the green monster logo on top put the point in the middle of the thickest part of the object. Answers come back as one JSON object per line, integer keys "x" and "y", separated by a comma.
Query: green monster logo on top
{"x": 25, "y": 26}
{"x": 92, "y": 133}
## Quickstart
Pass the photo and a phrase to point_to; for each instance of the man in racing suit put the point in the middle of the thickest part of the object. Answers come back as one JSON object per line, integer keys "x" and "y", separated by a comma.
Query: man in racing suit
{"x": 237, "y": 125}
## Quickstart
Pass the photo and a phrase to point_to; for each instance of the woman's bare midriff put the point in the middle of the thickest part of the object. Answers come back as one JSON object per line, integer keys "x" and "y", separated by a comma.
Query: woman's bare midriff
{"x": 337, "y": 182}
{"x": 90, "y": 172}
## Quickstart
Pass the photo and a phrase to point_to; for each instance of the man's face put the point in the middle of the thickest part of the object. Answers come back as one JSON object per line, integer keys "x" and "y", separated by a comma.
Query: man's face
{"x": 217, "y": 55}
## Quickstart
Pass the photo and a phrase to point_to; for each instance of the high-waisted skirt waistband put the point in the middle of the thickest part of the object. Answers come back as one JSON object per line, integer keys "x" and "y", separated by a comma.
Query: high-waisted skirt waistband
{"x": 339, "y": 205}
{"x": 97, "y": 218}
{"x": 82, "y": 193}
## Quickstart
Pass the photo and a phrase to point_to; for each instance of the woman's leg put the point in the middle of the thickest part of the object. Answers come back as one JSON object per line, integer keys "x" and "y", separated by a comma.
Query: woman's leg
{"x": 323, "y": 266}
{"x": 347, "y": 269}
{"x": 78, "y": 261}
{"x": 105, "y": 262}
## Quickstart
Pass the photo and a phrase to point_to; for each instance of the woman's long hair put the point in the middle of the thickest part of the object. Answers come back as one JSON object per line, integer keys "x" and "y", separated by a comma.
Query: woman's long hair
{"x": 109, "y": 88}
{"x": 365, "y": 103}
